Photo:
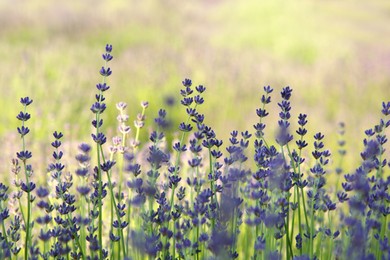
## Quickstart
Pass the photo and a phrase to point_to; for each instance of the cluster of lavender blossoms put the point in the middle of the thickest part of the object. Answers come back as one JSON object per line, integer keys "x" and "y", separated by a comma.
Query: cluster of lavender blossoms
{"x": 198, "y": 197}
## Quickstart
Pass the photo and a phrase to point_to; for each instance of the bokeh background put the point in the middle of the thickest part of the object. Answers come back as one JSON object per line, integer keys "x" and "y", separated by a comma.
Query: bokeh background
{"x": 334, "y": 54}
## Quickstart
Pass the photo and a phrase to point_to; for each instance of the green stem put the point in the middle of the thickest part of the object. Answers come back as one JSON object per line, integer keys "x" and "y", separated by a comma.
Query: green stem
{"x": 100, "y": 219}
{"x": 304, "y": 207}
{"x": 172, "y": 199}
{"x": 139, "y": 128}
{"x": 114, "y": 202}
{"x": 330, "y": 249}
{"x": 213, "y": 196}
{"x": 45, "y": 244}
{"x": 299, "y": 215}
{"x": 288, "y": 240}
{"x": 99, "y": 173}
{"x": 100, "y": 188}
{"x": 82, "y": 231}
{"x": 112, "y": 216}
{"x": 382, "y": 235}
{"x": 28, "y": 228}
{"x": 197, "y": 238}
{"x": 67, "y": 255}
{"x": 256, "y": 236}
{"x": 128, "y": 221}
{"x": 234, "y": 224}
{"x": 261, "y": 120}
{"x": 27, "y": 223}
{"x": 311, "y": 247}
{"x": 92, "y": 223}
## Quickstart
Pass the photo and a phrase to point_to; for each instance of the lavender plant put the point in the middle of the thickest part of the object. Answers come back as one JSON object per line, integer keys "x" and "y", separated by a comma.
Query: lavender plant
{"x": 254, "y": 196}
{"x": 28, "y": 186}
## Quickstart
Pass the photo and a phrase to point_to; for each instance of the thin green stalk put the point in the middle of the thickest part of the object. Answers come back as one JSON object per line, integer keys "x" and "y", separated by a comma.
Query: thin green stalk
{"x": 174, "y": 187}
{"x": 337, "y": 186}
{"x": 128, "y": 221}
{"x": 92, "y": 227}
{"x": 100, "y": 190}
{"x": 197, "y": 238}
{"x": 288, "y": 241}
{"x": 330, "y": 247}
{"x": 311, "y": 240}
{"x": 311, "y": 232}
{"x": 118, "y": 217}
{"x": 304, "y": 207}
{"x": 45, "y": 243}
{"x": 21, "y": 210}
{"x": 268, "y": 246}
{"x": 111, "y": 223}
{"x": 67, "y": 254}
{"x": 293, "y": 215}
{"x": 27, "y": 223}
{"x": 346, "y": 241}
{"x": 82, "y": 231}
{"x": 261, "y": 120}
{"x": 153, "y": 181}
{"x": 28, "y": 228}
{"x": 248, "y": 235}
{"x": 112, "y": 217}
{"x": 299, "y": 215}
{"x": 297, "y": 170}
{"x": 382, "y": 235}
{"x": 99, "y": 174}
{"x": 120, "y": 166}
{"x": 172, "y": 199}
{"x": 233, "y": 223}
{"x": 139, "y": 128}
{"x": 384, "y": 218}
{"x": 281, "y": 246}
{"x": 196, "y": 233}
{"x": 114, "y": 202}
{"x": 213, "y": 197}
{"x": 150, "y": 200}
{"x": 319, "y": 248}
{"x": 236, "y": 189}
{"x": 256, "y": 236}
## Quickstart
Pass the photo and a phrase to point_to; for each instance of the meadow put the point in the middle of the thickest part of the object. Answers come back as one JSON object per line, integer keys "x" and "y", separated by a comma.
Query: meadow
{"x": 238, "y": 177}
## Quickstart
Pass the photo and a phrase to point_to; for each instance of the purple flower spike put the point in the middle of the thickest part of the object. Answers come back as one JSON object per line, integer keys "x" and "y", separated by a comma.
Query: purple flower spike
{"x": 386, "y": 108}
{"x": 26, "y": 101}
{"x": 187, "y": 83}
{"x": 108, "y": 48}
{"x": 105, "y": 72}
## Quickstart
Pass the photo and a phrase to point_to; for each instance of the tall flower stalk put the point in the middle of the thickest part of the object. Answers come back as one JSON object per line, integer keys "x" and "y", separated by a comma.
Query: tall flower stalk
{"x": 28, "y": 185}
{"x": 105, "y": 166}
{"x": 98, "y": 108}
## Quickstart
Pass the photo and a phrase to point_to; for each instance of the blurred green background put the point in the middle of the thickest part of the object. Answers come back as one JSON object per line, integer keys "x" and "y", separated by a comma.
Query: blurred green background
{"x": 334, "y": 54}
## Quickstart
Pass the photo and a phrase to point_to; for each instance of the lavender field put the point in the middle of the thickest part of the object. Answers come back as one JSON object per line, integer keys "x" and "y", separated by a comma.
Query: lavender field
{"x": 197, "y": 132}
